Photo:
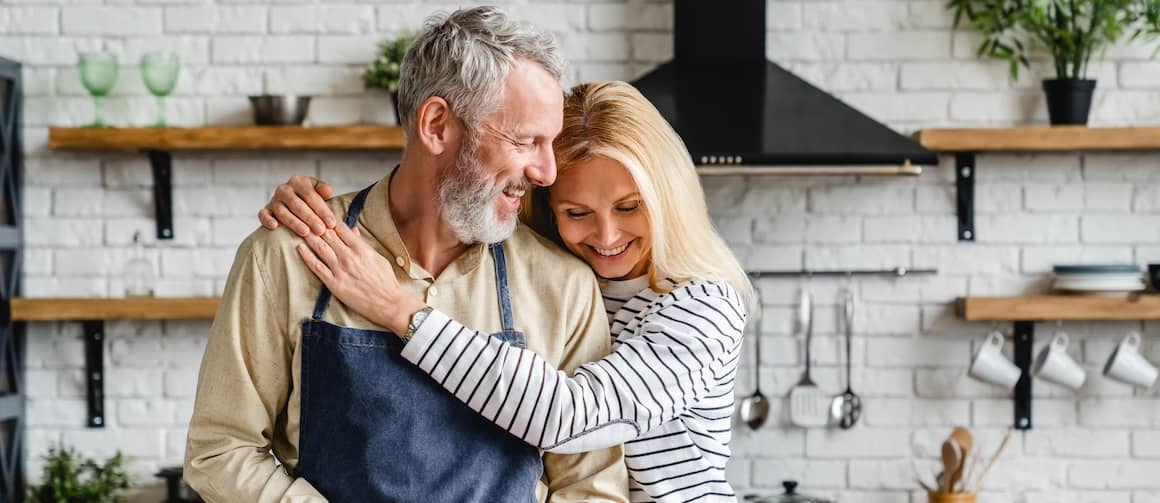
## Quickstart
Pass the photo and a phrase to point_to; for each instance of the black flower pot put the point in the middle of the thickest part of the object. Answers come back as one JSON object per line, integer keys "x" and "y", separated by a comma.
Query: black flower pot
{"x": 1069, "y": 100}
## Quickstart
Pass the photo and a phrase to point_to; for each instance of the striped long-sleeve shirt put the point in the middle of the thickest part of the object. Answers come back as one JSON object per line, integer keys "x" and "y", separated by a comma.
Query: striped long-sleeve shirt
{"x": 666, "y": 391}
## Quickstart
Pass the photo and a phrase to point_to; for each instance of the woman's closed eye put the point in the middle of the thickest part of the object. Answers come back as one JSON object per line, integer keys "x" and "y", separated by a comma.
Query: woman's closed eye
{"x": 623, "y": 210}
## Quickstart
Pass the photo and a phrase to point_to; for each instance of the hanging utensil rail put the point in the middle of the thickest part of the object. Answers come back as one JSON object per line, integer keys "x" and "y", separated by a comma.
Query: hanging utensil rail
{"x": 897, "y": 271}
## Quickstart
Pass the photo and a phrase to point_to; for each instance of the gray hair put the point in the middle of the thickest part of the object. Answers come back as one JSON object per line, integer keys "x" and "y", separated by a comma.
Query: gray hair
{"x": 464, "y": 57}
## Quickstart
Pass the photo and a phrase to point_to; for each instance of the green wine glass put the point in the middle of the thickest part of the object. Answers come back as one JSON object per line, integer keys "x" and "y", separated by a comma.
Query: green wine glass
{"x": 98, "y": 72}
{"x": 159, "y": 70}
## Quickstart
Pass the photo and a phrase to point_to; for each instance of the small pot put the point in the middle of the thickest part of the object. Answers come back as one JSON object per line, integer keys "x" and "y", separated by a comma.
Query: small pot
{"x": 791, "y": 496}
{"x": 176, "y": 490}
{"x": 1069, "y": 100}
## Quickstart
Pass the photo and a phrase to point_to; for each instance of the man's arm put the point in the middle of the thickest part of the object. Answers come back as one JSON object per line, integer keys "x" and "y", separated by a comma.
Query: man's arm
{"x": 243, "y": 386}
{"x": 598, "y": 475}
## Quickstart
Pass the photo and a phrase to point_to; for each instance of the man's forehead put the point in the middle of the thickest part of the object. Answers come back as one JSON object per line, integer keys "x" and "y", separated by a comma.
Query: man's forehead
{"x": 543, "y": 119}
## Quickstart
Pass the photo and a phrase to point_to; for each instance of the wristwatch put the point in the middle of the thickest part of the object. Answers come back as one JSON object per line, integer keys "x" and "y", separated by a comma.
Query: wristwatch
{"x": 417, "y": 320}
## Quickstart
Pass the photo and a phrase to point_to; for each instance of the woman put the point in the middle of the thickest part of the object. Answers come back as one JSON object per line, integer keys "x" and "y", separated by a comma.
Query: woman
{"x": 628, "y": 202}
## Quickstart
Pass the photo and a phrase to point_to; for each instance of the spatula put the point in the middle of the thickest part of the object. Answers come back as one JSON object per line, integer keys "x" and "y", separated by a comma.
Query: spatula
{"x": 809, "y": 407}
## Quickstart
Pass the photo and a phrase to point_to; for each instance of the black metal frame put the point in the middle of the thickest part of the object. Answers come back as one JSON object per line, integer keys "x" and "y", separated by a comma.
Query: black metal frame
{"x": 162, "y": 164}
{"x": 95, "y": 372}
{"x": 898, "y": 272}
{"x": 1024, "y": 340}
{"x": 11, "y": 245}
{"x": 965, "y": 194}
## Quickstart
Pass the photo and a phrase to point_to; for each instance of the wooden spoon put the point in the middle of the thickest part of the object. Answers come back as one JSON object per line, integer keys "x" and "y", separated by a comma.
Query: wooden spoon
{"x": 952, "y": 459}
{"x": 965, "y": 441}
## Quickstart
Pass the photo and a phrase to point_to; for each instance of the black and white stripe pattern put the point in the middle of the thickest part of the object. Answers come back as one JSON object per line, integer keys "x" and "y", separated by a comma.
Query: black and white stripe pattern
{"x": 666, "y": 391}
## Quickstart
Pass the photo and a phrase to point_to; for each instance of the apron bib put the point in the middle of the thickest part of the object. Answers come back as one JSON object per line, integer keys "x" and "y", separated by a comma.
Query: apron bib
{"x": 376, "y": 428}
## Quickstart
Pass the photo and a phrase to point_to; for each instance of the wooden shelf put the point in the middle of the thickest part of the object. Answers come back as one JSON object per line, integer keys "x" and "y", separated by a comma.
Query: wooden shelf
{"x": 357, "y": 137}
{"x": 1040, "y": 139}
{"x": 144, "y": 308}
{"x": 1059, "y": 307}
{"x": 92, "y": 313}
{"x": 1025, "y": 311}
{"x": 964, "y": 143}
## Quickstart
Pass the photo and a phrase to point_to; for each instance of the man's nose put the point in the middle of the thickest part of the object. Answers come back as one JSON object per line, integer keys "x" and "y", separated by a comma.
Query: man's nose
{"x": 543, "y": 171}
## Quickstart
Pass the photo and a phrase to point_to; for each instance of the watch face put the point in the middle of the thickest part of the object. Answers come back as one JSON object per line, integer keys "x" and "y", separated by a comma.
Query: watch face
{"x": 417, "y": 319}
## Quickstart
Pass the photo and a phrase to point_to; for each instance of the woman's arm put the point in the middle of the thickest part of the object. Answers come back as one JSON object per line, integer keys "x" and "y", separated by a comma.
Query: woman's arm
{"x": 648, "y": 380}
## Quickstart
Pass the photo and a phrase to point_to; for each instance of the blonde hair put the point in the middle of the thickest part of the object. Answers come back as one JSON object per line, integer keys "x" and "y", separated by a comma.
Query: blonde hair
{"x": 613, "y": 120}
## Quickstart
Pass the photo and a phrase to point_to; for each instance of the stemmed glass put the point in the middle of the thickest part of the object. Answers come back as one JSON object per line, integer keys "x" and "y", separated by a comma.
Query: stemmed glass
{"x": 159, "y": 71}
{"x": 98, "y": 72}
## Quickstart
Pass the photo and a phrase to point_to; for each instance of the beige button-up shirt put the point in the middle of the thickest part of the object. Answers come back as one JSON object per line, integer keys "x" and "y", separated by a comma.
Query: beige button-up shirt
{"x": 246, "y": 419}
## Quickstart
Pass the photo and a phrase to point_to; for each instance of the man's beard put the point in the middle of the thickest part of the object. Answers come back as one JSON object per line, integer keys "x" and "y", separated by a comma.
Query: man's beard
{"x": 467, "y": 197}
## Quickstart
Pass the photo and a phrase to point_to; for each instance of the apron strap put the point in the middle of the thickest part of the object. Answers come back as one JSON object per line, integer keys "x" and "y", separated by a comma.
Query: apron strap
{"x": 351, "y": 220}
{"x": 505, "y": 303}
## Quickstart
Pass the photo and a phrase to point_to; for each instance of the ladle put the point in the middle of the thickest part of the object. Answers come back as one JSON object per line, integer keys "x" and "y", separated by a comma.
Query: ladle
{"x": 754, "y": 409}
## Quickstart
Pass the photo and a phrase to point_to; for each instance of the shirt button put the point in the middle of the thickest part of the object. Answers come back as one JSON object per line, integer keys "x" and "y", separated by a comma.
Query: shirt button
{"x": 432, "y": 291}
{"x": 401, "y": 261}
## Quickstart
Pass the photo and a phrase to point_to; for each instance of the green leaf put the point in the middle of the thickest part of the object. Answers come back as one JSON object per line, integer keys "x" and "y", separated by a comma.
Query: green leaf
{"x": 383, "y": 71}
{"x": 69, "y": 478}
{"x": 1070, "y": 30}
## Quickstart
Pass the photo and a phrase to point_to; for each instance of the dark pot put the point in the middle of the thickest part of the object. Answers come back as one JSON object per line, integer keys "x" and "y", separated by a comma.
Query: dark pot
{"x": 176, "y": 490}
{"x": 1069, "y": 100}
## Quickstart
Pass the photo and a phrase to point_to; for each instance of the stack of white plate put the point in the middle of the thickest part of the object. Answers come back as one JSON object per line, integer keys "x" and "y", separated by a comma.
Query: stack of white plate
{"x": 1099, "y": 279}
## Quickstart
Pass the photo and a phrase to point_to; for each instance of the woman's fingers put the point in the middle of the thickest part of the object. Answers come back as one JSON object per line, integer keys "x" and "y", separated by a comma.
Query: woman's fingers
{"x": 287, "y": 196}
{"x": 349, "y": 236}
{"x": 323, "y": 251}
{"x": 286, "y": 217}
{"x": 314, "y": 193}
{"x": 315, "y": 265}
{"x": 266, "y": 217}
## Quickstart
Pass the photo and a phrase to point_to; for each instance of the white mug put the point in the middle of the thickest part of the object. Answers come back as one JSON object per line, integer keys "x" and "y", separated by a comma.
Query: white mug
{"x": 1055, "y": 365}
{"x": 989, "y": 364}
{"x": 1126, "y": 364}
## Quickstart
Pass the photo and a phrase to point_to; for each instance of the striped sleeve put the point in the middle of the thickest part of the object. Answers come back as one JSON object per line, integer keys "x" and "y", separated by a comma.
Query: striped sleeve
{"x": 679, "y": 352}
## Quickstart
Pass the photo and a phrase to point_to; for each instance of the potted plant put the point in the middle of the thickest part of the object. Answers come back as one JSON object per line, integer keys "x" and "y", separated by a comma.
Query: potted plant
{"x": 69, "y": 478}
{"x": 383, "y": 72}
{"x": 1071, "y": 30}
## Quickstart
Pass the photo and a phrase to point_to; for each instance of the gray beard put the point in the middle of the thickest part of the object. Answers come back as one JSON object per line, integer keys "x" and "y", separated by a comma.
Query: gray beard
{"x": 467, "y": 199}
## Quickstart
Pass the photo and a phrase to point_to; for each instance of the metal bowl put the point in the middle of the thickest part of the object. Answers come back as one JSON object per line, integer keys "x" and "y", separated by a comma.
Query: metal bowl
{"x": 279, "y": 110}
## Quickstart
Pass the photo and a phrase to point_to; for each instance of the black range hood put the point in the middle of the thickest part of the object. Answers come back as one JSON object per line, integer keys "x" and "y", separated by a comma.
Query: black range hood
{"x": 740, "y": 113}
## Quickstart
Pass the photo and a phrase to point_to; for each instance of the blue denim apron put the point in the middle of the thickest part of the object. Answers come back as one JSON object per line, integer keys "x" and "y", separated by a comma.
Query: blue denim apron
{"x": 375, "y": 428}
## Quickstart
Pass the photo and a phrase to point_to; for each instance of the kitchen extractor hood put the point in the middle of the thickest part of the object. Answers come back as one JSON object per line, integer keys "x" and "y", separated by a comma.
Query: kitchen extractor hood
{"x": 740, "y": 113}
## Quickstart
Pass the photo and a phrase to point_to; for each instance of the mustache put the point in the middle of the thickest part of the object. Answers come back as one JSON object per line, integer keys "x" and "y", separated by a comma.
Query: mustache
{"x": 521, "y": 184}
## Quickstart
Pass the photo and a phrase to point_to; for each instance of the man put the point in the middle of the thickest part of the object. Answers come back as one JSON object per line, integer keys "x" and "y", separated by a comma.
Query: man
{"x": 301, "y": 399}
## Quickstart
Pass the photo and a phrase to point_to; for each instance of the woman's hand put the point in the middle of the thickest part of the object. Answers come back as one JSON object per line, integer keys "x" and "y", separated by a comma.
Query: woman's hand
{"x": 300, "y": 204}
{"x": 359, "y": 277}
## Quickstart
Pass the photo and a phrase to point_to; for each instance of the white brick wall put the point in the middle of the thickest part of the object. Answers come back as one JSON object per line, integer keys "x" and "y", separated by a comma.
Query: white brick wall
{"x": 896, "y": 60}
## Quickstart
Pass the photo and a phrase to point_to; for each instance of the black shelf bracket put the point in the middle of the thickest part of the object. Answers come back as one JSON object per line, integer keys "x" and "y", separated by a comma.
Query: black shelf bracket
{"x": 1024, "y": 340}
{"x": 162, "y": 164}
{"x": 965, "y": 194}
{"x": 95, "y": 371}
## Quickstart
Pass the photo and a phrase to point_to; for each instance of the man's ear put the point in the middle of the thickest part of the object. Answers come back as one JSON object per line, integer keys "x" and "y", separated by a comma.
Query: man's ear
{"x": 436, "y": 126}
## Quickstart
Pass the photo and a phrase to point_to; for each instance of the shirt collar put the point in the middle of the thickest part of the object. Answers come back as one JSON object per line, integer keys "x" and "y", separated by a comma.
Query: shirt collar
{"x": 376, "y": 218}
